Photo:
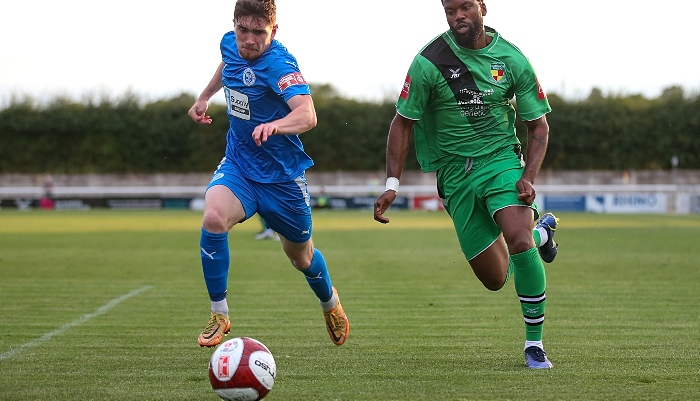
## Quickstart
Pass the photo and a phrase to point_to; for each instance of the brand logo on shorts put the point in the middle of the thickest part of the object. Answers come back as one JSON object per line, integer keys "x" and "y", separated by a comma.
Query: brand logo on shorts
{"x": 217, "y": 176}
{"x": 248, "y": 77}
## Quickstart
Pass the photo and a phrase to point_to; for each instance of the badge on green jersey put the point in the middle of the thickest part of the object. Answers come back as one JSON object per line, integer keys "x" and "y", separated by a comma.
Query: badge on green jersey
{"x": 498, "y": 73}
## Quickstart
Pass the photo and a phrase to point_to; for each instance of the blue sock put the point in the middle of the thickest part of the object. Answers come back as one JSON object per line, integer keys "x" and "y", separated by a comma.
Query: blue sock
{"x": 213, "y": 249}
{"x": 318, "y": 278}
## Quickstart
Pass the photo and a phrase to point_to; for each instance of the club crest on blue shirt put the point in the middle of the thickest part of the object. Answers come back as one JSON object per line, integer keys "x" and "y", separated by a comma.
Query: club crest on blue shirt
{"x": 248, "y": 77}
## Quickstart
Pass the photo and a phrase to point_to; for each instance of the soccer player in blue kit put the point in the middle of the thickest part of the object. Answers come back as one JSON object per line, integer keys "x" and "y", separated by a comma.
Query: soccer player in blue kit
{"x": 269, "y": 105}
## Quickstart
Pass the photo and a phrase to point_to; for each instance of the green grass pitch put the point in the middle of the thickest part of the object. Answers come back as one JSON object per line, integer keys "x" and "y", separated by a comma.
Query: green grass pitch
{"x": 108, "y": 304}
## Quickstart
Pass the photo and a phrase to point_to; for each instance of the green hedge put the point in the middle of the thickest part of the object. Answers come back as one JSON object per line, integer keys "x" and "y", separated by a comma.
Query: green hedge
{"x": 130, "y": 136}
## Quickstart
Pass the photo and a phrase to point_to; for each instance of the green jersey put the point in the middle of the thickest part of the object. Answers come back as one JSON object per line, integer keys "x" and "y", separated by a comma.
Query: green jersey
{"x": 461, "y": 98}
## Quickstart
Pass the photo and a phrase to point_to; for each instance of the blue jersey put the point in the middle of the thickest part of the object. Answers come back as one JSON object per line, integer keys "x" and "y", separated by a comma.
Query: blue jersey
{"x": 257, "y": 92}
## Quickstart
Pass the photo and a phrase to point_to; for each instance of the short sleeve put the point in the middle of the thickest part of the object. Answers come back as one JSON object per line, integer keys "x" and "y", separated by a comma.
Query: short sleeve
{"x": 286, "y": 79}
{"x": 530, "y": 97}
{"x": 416, "y": 90}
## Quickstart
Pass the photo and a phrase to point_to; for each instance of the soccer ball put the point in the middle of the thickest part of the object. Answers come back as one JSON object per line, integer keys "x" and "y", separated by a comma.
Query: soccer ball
{"x": 242, "y": 369}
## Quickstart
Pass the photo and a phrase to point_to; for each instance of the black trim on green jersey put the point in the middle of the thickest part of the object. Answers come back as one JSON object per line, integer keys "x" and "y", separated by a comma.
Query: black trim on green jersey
{"x": 453, "y": 70}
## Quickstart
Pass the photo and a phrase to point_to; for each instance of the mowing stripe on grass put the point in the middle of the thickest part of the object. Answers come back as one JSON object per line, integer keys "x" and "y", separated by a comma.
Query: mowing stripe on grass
{"x": 109, "y": 305}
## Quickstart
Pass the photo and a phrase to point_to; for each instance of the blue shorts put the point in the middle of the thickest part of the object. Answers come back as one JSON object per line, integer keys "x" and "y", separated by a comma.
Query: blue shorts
{"x": 284, "y": 206}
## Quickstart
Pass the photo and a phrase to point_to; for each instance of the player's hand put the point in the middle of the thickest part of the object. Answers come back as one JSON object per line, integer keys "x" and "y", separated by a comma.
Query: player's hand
{"x": 262, "y": 132}
{"x": 382, "y": 204}
{"x": 527, "y": 191}
{"x": 198, "y": 112}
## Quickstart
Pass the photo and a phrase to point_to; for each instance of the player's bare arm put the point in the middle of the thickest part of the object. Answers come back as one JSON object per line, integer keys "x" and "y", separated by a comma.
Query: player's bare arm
{"x": 537, "y": 139}
{"x": 301, "y": 119}
{"x": 396, "y": 152}
{"x": 198, "y": 111}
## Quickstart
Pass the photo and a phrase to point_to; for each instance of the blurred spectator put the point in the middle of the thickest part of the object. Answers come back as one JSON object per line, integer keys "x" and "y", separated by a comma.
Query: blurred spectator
{"x": 46, "y": 202}
{"x": 322, "y": 201}
{"x": 267, "y": 232}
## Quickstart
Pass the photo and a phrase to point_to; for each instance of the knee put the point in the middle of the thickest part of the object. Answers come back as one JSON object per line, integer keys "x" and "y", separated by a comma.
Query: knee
{"x": 493, "y": 283}
{"x": 214, "y": 222}
{"x": 301, "y": 258}
{"x": 301, "y": 261}
{"x": 520, "y": 244}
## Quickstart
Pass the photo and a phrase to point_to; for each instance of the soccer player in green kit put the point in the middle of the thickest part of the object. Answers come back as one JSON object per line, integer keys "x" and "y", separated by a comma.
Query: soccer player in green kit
{"x": 456, "y": 102}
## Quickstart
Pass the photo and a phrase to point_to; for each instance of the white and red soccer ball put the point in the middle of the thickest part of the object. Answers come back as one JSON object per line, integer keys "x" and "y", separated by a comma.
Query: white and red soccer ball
{"x": 242, "y": 369}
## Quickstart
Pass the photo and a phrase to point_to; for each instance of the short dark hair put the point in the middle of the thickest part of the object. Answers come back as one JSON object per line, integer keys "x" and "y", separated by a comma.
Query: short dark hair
{"x": 478, "y": 1}
{"x": 257, "y": 9}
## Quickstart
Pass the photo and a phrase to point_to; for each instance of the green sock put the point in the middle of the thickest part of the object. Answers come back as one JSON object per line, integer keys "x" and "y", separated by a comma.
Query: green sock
{"x": 530, "y": 283}
{"x": 538, "y": 242}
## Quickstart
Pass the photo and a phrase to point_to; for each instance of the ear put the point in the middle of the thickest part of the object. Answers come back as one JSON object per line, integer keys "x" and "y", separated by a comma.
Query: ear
{"x": 483, "y": 7}
{"x": 274, "y": 31}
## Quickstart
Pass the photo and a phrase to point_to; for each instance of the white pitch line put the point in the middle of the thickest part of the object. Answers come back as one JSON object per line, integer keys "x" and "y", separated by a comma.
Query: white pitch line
{"x": 109, "y": 305}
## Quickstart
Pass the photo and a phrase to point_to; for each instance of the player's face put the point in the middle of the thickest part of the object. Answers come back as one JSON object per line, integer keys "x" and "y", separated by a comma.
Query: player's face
{"x": 253, "y": 36}
{"x": 466, "y": 20}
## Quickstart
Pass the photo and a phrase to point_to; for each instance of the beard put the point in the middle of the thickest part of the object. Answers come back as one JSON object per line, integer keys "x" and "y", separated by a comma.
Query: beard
{"x": 249, "y": 54}
{"x": 467, "y": 38}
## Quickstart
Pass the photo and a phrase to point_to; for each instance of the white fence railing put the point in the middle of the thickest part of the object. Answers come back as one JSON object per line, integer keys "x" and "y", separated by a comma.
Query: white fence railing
{"x": 349, "y": 190}
{"x": 667, "y": 198}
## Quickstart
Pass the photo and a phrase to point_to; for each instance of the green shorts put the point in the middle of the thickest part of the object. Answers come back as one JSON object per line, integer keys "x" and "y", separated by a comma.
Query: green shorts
{"x": 474, "y": 189}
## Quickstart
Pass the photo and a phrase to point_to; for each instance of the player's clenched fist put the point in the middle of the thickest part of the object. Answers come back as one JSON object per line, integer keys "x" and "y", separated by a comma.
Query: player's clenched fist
{"x": 198, "y": 112}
